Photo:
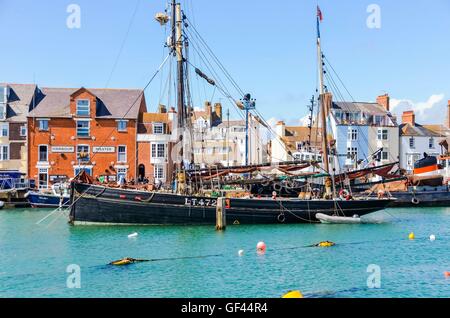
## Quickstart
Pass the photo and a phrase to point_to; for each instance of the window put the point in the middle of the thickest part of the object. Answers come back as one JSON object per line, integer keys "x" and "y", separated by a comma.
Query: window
{"x": 83, "y": 128}
{"x": 239, "y": 129}
{"x": 352, "y": 153}
{"x": 4, "y": 90}
{"x": 2, "y": 112}
{"x": 4, "y": 152}
{"x": 412, "y": 143}
{"x": 23, "y": 131}
{"x": 4, "y": 130}
{"x": 352, "y": 134}
{"x": 411, "y": 159}
{"x": 83, "y": 108}
{"x": 43, "y": 153}
{"x": 158, "y": 150}
{"x": 43, "y": 124}
{"x": 158, "y": 128}
{"x": 87, "y": 170}
{"x": 384, "y": 155}
{"x": 43, "y": 179}
{"x": 122, "y": 154}
{"x": 159, "y": 172}
{"x": 83, "y": 153}
{"x": 122, "y": 125}
{"x": 379, "y": 120}
{"x": 431, "y": 143}
{"x": 382, "y": 134}
{"x": 121, "y": 174}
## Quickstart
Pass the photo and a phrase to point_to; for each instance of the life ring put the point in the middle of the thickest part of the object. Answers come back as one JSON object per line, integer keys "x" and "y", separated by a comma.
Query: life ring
{"x": 415, "y": 201}
{"x": 281, "y": 218}
{"x": 344, "y": 194}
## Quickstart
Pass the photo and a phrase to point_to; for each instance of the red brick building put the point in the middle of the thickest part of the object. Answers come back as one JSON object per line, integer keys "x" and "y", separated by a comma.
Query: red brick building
{"x": 90, "y": 129}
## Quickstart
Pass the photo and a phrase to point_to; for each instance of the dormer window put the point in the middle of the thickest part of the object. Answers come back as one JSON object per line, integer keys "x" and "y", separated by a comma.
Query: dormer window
{"x": 83, "y": 108}
{"x": 158, "y": 128}
{"x": 4, "y": 92}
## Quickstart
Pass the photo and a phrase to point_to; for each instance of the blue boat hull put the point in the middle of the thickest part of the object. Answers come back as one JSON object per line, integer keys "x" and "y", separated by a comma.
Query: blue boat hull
{"x": 40, "y": 200}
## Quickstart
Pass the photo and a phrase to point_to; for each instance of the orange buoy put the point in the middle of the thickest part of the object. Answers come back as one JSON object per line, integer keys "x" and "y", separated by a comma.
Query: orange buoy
{"x": 447, "y": 274}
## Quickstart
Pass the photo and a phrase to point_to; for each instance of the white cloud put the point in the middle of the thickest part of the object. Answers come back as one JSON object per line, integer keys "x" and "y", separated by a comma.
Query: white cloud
{"x": 273, "y": 122}
{"x": 432, "y": 111}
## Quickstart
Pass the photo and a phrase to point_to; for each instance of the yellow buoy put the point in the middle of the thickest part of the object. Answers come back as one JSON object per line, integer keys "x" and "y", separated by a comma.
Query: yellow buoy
{"x": 293, "y": 294}
{"x": 411, "y": 236}
{"x": 122, "y": 262}
{"x": 325, "y": 244}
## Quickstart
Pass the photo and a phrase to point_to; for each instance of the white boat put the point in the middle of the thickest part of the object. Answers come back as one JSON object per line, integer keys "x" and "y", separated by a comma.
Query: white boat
{"x": 327, "y": 219}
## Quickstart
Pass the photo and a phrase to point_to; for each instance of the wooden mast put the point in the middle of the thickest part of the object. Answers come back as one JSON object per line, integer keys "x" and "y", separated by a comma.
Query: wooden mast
{"x": 177, "y": 47}
{"x": 323, "y": 111}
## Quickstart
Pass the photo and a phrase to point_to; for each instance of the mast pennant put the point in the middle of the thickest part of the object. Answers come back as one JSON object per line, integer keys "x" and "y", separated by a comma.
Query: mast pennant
{"x": 319, "y": 14}
{"x": 319, "y": 19}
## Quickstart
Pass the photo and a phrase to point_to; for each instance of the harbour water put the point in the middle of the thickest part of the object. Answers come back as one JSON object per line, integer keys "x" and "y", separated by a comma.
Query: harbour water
{"x": 34, "y": 258}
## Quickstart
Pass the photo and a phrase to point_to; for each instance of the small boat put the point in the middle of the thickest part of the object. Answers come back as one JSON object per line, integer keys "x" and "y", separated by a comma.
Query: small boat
{"x": 333, "y": 219}
{"x": 2, "y": 204}
{"x": 59, "y": 196}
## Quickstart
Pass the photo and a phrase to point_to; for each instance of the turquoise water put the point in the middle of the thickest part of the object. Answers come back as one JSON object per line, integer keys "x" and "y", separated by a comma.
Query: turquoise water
{"x": 34, "y": 258}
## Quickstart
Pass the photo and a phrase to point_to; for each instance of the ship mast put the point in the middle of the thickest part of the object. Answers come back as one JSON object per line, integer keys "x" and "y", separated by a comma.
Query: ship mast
{"x": 177, "y": 45}
{"x": 323, "y": 112}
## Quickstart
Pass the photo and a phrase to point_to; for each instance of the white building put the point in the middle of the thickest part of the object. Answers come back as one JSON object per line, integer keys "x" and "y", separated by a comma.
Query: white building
{"x": 416, "y": 139}
{"x": 361, "y": 129}
{"x": 218, "y": 141}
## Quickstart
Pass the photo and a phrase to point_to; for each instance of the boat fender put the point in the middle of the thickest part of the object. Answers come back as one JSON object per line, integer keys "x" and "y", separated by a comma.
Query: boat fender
{"x": 26, "y": 195}
{"x": 236, "y": 222}
{"x": 227, "y": 203}
{"x": 281, "y": 218}
{"x": 415, "y": 201}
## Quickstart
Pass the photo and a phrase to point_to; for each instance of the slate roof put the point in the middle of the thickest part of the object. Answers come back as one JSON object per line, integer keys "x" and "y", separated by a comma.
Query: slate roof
{"x": 112, "y": 103}
{"x": 368, "y": 108}
{"x": 417, "y": 131}
{"x": 19, "y": 101}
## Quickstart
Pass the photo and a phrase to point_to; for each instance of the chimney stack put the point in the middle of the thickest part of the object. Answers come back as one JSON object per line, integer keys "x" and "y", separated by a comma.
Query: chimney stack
{"x": 384, "y": 100}
{"x": 218, "y": 111}
{"x": 409, "y": 118}
{"x": 281, "y": 129}
{"x": 162, "y": 109}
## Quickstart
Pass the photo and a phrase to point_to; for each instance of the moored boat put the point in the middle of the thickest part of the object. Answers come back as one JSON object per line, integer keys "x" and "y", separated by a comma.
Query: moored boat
{"x": 57, "y": 197}
{"x": 188, "y": 204}
{"x": 96, "y": 204}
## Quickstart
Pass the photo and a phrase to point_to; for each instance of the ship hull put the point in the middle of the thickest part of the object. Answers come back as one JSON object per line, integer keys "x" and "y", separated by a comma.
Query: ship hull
{"x": 421, "y": 199}
{"x": 42, "y": 200}
{"x": 100, "y": 205}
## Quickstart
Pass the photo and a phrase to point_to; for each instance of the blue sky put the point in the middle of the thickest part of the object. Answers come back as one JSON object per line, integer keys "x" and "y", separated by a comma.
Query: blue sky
{"x": 267, "y": 46}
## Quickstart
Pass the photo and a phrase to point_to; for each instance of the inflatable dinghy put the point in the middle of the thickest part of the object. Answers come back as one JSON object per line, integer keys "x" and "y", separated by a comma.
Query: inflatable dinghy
{"x": 327, "y": 219}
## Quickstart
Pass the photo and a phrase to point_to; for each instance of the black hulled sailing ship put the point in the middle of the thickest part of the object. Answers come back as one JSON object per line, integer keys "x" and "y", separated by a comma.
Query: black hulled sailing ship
{"x": 188, "y": 204}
